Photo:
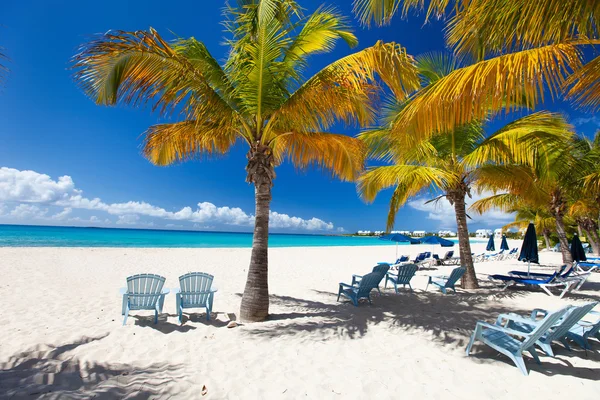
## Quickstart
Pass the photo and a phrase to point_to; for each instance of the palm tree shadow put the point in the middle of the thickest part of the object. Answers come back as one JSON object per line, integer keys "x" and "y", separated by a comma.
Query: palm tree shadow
{"x": 52, "y": 371}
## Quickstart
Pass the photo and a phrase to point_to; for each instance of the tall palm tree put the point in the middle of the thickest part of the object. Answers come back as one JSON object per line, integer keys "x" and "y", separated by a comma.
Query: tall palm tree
{"x": 258, "y": 96}
{"x": 452, "y": 163}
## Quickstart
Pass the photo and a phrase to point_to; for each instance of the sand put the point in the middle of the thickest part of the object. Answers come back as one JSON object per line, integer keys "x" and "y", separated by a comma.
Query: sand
{"x": 62, "y": 333}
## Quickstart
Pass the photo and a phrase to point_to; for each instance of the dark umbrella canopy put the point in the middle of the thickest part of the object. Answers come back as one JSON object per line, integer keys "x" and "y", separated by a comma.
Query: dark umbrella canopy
{"x": 436, "y": 240}
{"x": 577, "y": 251}
{"x": 504, "y": 244}
{"x": 529, "y": 250}
{"x": 491, "y": 246}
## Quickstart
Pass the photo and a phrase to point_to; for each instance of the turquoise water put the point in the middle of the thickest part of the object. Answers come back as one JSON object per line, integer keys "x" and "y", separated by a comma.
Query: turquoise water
{"x": 54, "y": 236}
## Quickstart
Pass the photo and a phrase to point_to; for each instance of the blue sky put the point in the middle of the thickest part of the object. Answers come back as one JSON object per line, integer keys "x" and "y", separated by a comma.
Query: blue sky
{"x": 49, "y": 130}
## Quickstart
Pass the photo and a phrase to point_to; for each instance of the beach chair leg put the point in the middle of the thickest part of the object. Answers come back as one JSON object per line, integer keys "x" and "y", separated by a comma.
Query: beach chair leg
{"x": 547, "y": 349}
{"x": 411, "y": 289}
{"x": 472, "y": 340}
{"x": 156, "y": 315}
{"x": 565, "y": 343}
{"x": 126, "y": 313}
{"x": 161, "y": 303}
{"x": 545, "y": 289}
{"x": 207, "y": 313}
{"x": 520, "y": 363}
{"x": 428, "y": 282}
{"x": 124, "y": 304}
{"x": 534, "y": 353}
{"x": 443, "y": 289}
{"x": 339, "y": 293}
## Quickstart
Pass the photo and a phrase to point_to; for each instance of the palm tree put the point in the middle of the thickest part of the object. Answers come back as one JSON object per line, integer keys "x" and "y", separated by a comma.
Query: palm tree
{"x": 541, "y": 217}
{"x": 522, "y": 49}
{"x": 258, "y": 97}
{"x": 451, "y": 163}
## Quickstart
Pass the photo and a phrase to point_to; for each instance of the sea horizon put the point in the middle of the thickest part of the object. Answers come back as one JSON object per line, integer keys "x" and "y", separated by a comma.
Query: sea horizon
{"x": 74, "y": 236}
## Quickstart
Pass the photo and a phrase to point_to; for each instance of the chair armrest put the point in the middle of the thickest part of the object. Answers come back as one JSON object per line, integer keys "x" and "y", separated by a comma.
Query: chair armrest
{"x": 165, "y": 291}
{"x": 214, "y": 289}
{"x": 122, "y": 290}
{"x": 536, "y": 311}
{"x": 516, "y": 318}
{"x": 502, "y": 329}
{"x": 176, "y": 290}
{"x": 356, "y": 276}
{"x": 346, "y": 285}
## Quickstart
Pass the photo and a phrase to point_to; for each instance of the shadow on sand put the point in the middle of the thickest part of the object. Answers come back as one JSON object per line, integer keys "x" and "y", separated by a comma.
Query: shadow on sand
{"x": 51, "y": 372}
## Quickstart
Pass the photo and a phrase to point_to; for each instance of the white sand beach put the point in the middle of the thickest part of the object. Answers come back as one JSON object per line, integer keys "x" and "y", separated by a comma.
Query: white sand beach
{"x": 62, "y": 333}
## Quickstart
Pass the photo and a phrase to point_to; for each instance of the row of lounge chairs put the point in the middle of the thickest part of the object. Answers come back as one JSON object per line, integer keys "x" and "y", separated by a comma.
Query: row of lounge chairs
{"x": 146, "y": 292}
{"x": 499, "y": 256}
{"x": 362, "y": 285}
{"x": 513, "y": 334}
{"x": 426, "y": 259}
{"x": 566, "y": 279}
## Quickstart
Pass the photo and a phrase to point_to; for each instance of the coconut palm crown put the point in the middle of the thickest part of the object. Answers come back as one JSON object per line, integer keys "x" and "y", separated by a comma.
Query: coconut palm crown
{"x": 258, "y": 96}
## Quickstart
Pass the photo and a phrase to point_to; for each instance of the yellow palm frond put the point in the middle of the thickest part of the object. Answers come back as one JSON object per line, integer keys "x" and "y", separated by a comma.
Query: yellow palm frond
{"x": 409, "y": 180}
{"x": 504, "y": 201}
{"x": 382, "y": 11}
{"x": 592, "y": 182}
{"x": 521, "y": 140}
{"x": 342, "y": 155}
{"x": 165, "y": 144}
{"x": 585, "y": 84}
{"x": 498, "y": 25}
{"x": 138, "y": 67}
{"x": 343, "y": 91}
{"x": 518, "y": 180}
{"x": 477, "y": 91}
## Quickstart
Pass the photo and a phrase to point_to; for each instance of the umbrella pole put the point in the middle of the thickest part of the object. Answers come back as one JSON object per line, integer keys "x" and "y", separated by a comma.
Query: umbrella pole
{"x": 396, "y": 252}
{"x": 528, "y": 266}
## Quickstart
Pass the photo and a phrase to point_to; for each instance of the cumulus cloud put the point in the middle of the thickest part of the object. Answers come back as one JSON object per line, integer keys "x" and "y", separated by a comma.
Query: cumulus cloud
{"x": 593, "y": 120}
{"x": 29, "y": 188}
{"x": 28, "y": 211}
{"x": 443, "y": 212}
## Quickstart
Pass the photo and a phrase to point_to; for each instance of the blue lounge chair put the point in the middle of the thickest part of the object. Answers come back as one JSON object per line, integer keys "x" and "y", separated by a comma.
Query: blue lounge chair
{"x": 508, "y": 341}
{"x": 195, "y": 291}
{"x": 563, "y": 272}
{"x": 362, "y": 290}
{"x": 545, "y": 283}
{"x": 403, "y": 277}
{"x": 584, "y": 330}
{"x": 559, "y": 332}
{"x": 420, "y": 257}
{"x": 447, "y": 282}
{"x": 381, "y": 269}
{"x": 144, "y": 292}
{"x": 587, "y": 266}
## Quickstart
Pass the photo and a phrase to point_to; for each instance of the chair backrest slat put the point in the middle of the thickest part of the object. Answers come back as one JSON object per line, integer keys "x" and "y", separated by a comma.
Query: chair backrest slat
{"x": 541, "y": 329}
{"x": 145, "y": 290}
{"x": 381, "y": 269}
{"x": 406, "y": 272}
{"x": 456, "y": 274}
{"x": 573, "y": 316}
{"x": 195, "y": 288}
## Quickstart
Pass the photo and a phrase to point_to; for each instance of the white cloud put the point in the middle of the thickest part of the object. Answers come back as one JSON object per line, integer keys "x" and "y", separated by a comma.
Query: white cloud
{"x": 28, "y": 211}
{"x": 593, "y": 120}
{"x": 93, "y": 218}
{"x": 443, "y": 212}
{"x": 3, "y": 209}
{"x": 62, "y": 215}
{"x": 30, "y": 187}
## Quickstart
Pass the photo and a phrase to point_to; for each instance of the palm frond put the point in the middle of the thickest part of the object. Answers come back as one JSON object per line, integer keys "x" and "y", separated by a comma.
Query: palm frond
{"x": 382, "y": 11}
{"x": 342, "y": 155}
{"x": 165, "y": 144}
{"x": 504, "y": 202}
{"x": 585, "y": 85}
{"x": 410, "y": 179}
{"x": 138, "y": 67}
{"x": 344, "y": 90}
{"x": 497, "y": 25}
{"x": 486, "y": 88}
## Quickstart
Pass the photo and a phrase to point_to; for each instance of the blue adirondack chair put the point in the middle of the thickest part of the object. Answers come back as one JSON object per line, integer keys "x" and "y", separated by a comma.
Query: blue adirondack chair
{"x": 403, "y": 277}
{"x": 559, "y": 332}
{"x": 362, "y": 290}
{"x": 584, "y": 330}
{"x": 195, "y": 291}
{"x": 144, "y": 292}
{"x": 381, "y": 269}
{"x": 447, "y": 282}
{"x": 513, "y": 343}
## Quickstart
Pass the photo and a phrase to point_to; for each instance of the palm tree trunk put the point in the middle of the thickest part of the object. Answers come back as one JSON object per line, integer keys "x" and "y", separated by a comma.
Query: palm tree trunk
{"x": 255, "y": 301}
{"x": 546, "y": 234}
{"x": 469, "y": 280}
{"x": 590, "y": 227}
{"x": 562, "y": 238}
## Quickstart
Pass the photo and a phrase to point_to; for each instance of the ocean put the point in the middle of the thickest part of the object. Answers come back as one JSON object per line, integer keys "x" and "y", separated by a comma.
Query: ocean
{"x": 54, "y": 236}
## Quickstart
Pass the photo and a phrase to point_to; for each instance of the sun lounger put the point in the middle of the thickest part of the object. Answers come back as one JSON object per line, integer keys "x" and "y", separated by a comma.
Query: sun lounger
{"x": 538, "y": 275}
{"x": 362, "y": 290}
{"x": 587, "y": 267}
{"x": 144, "y": 292}
{"x": 196, "y": 291}
{"x": 446, "y": 282}
{"x": 558, "y": 332}
{"x": 403, "y": 277}
{"x": 513, "y": 343}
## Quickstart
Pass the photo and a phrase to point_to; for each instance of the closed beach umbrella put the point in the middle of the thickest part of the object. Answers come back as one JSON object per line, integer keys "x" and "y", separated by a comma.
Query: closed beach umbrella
{"x": 529, "y": 250}
{"x": 491, "y": 246}
{"x": 504, "y": 244}
{"x": 396, "y": 237}
{"x": 577, "y": 251}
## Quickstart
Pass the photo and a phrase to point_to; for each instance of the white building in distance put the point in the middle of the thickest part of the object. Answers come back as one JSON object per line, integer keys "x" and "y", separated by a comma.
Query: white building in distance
{"x": 418, "y": 233}
{"x": 446, "y": 234}
{"x": 483, "y": 233}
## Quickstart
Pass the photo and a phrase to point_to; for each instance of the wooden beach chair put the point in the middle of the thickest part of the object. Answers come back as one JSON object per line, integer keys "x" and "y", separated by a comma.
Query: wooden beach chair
{"x": 144, "y": 292}
{"x": 196, "y": 291}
